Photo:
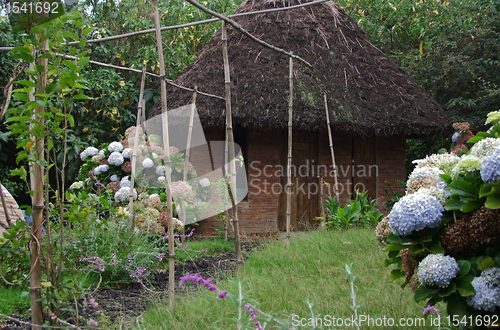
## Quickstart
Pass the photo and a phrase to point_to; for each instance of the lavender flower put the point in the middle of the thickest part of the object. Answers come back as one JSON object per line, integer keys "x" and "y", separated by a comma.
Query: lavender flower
{"x": 116, "y": 159}
{"x": 93, "y": 323}
{"x": 487, "y": 288}
{"x": 206, "y": 283}
{"x": 437, "y": 270}
{"x": 415, "y": 212}
{"x": 490, "y": 167}
{"x": 115, "y": 146}
{"x": 430, "y": 309}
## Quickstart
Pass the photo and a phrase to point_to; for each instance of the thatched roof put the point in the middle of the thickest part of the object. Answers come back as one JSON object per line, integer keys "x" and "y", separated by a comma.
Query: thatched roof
{"x": 367, "y": 93}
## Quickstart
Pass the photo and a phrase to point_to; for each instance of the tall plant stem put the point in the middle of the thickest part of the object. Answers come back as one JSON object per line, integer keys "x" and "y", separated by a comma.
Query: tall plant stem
{"x": 289, "y": 157}
{"x": 230, "y": 142}
{"x": 166, "y": 155}
{"x": 336, "y": 188}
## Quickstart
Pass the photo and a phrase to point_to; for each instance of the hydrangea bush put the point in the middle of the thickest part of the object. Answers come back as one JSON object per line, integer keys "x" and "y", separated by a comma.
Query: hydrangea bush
{"x": 106, "y": 171}
{"x": 443, "y": 236}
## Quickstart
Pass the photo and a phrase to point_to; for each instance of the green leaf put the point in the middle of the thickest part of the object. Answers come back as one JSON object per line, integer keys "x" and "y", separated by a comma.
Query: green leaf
{"x": 396, "y": 273}
{"x": 71, "y": 35}
{"x": 492, "y": 202}
{"x": 26, "y": 83}
{"x": 454, "y": 204}
{"x": 24, "y": 56}
{"x": 485, "y": 264}
{"x": 464, "y": 266}
{"x": 395, "y": 247}
{"x": 470, "y": 207}
{"x": 447, "y": 291}
{"x": 424, "y": 293}
{"x": 464, "y": 286}
{"x": 21, "y": 97}
{"x": 83, "y": 61}
{"x": 70, "y": 64}
{"x": 71, "y": 120}
{"x": 456, "y": 306}
{"x": 436, "y": 248}
{"x": 87, "y": 30}
{"x": 81, "y": 97}
{"x": 52, "y": 88}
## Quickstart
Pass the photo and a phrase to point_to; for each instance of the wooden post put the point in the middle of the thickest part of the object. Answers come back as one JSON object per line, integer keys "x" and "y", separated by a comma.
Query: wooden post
{"x": 289, "y": 159}
{"x": 187, "y": 155}
{"x": 336, "y": 188}
{"x": 138, "y": 123}
{"x": 230, "y": 142}
{"x": 166, "y": 155}
{"x": 37, "y": 207}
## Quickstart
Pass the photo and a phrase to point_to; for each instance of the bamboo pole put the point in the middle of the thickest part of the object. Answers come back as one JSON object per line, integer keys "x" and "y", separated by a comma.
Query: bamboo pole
{"x": 245, "y": 32}
{"x": 336, "y": 188}
{"x": 37, "y": 187}
{"x": 166, "y": 155}
{"x": 289, "y": 159}
{"x": 230, "y": 140}
{"x": 139, "y": 122}
{"x": 186, "y": 157}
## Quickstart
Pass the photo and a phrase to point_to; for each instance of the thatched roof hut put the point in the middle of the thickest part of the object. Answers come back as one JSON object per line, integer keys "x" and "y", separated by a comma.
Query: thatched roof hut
{"x": 367, "y": 93}
{"x": 373, "y": 105}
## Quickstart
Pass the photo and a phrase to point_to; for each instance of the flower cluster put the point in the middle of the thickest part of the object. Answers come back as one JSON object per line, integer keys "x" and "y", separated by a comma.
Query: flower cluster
{"x": 487, "y": 288}
{"x": 101, "y": 169}
{"x": 490, "y": 167}
{"x": 115, "y": 159}
{"x": 493, "y": 118}
{"x": 76, "y": 185}
{"x": 253, "y": 315}
{"x": 115, "y": 147}
{"x": 445, "y": 162}
{"x": 415, "y": 212}
{"x": 181, "y": 191}
{"x": 467, "y": 163}
{"x": 383, "y": 230}
{"x": 206, "y": 283}
{"x": 440, "y": 194}
{"x": 437, "y": 270}
{"x": 89, "y": 152}
{"x": 147, "y": 163}
{"x": 122, "y": 196}
{"x": 425, "y": 177}
{"x": 126, "y": 153}
{"x": 205, "y": 182}
{"x": 484, "y": 147}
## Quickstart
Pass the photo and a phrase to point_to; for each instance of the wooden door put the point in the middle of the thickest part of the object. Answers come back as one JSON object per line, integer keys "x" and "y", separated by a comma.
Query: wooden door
{"x": 305, "y": 181}
{"x": 365, "y": 170}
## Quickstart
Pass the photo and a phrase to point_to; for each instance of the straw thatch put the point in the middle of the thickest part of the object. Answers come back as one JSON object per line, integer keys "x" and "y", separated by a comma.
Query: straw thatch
{"x": 367, "y": 93}
{"x": 13, "y": 209}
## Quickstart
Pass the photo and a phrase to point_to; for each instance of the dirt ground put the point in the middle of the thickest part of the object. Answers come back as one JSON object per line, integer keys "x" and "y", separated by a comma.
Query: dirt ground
{"x": 123, "y": 306}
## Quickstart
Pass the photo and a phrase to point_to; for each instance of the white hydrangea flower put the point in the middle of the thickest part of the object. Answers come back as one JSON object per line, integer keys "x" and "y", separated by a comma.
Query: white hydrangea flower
{"x": 102, "y": 153}
{"x": 125, "y": 182}
{"x": 153, "y": 196}
{"x": 445, "y": 162}
{"x": 123, "y": 195}
{"x": 97, "y": 158}
{"x": 205, "y": 182}
{"x": 147, "y": 163}
{"x": 76, "y": 185}
{"x": 468, "y": 163}
{"x": 441, "y": 194}
{"x": 160, "y": 170}
{"x": 88, "y": 152}
{"x": 154, "y": 155}
{"x": 161, "y": 179}
{"x": 484, "y": 147}
{"x": 115, "y": 159}
{"x": 101, "y": 169}
{"x": 115, "y": 146}
{"x": 127, "y": 153}
{"x": 437, "y": 270}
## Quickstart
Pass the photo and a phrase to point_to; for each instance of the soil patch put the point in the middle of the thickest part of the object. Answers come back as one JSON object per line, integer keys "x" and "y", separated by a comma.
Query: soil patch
{"x": 126, "y": 304}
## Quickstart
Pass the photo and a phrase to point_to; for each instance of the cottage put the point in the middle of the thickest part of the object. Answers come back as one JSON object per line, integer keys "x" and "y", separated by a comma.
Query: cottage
{"x": 373, "y": 105}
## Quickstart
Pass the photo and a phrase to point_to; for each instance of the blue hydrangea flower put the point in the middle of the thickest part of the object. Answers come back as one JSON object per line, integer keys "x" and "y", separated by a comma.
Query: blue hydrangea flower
{"x": 415, "y": 212}
{"x": 125, "y": 182}
{"x": 437, "y": 270}
{"x": 487, "y": 288}
{"x": 455, "y": 136}
{"x": 115, "y": 159}
{"x": 114, "y": 178}
{"x": 490, "y": 167}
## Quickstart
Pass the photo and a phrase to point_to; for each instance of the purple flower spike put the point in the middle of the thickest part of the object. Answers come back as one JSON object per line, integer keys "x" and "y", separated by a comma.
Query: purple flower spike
{"x": 212, "y": 288}
{"x": 206, "y": 284}
{"x": 248, "y": 308}
{"x": 222, "y": 294}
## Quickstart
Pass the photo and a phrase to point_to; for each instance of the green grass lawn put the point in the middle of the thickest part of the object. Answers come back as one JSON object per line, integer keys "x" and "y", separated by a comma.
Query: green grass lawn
{"x": 313, "y": 270}
{"x": 12, "y": 300}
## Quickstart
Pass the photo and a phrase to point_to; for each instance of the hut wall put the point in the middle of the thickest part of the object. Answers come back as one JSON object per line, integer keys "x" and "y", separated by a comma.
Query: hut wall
{"x": 391, "y": 168}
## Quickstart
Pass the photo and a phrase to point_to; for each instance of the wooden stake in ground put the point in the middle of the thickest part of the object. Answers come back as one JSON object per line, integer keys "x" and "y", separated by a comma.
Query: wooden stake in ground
{"x": 37, "y": 206}
{"x": 138, "y": 123}
{"x": 186, "y": 157}
{"x": 336, "y": 188}
{"x": 230, "y": 142}
{"x": 289, "y": 159}
{"x": 166, "y": 156}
